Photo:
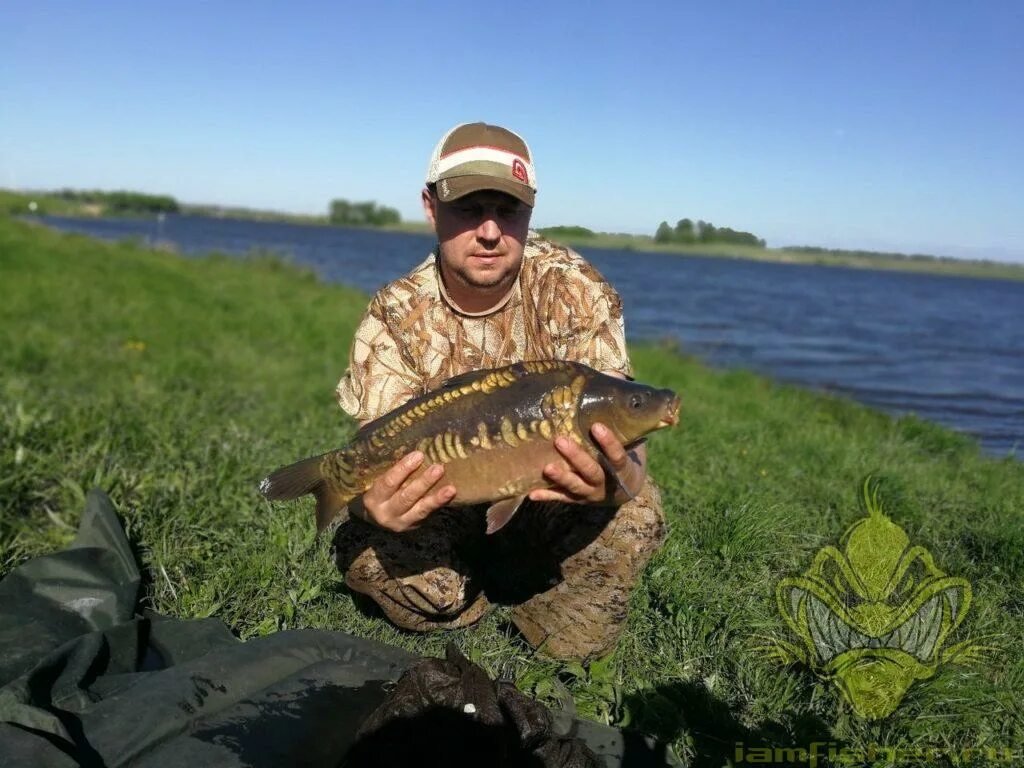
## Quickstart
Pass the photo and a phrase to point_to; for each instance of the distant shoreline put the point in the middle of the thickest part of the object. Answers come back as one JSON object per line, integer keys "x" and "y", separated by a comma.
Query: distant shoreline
{"x": 817, "y": 257}
{"x": 18, "y": 202}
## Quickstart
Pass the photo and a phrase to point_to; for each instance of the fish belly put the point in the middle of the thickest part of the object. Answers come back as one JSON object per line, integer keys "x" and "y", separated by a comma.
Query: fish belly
{"x": 499, "y": 473}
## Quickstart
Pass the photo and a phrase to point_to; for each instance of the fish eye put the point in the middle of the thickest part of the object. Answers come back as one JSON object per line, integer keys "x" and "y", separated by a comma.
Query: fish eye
{"x": 636, "y": 401}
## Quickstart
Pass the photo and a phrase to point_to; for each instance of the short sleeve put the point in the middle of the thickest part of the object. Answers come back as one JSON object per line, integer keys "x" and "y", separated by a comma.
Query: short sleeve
{"x": 587, "y": 313}
{"x": 599, "y": 340}
{"x": 379, "y": 377}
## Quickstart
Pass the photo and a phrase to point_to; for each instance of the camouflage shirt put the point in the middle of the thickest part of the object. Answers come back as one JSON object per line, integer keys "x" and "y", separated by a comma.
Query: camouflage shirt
{"x": 412, "y": 337}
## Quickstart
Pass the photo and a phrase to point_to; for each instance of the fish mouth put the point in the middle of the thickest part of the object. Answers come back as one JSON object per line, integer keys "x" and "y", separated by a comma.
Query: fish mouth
{"x": 671, "y": 417}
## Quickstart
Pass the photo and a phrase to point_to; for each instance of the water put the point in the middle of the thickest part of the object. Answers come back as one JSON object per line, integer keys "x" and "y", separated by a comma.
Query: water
{"x": 949, "y": 349}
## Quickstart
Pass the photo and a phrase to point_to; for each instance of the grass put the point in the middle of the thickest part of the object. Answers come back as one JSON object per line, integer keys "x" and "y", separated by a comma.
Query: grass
{"x": 20, "y": 203}
{"x": 175, "y": 384}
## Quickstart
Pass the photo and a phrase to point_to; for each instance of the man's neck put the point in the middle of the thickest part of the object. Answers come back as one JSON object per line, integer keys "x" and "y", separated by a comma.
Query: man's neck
{"x": 473, "y": 300}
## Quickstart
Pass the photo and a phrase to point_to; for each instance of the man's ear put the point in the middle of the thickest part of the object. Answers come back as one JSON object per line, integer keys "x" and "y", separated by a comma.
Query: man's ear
{"x": 429, "y": 206}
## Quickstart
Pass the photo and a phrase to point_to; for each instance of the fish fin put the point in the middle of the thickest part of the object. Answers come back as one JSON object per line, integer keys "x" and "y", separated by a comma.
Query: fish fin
{"x": 329, "y": 506}
{"x": 500, "y": 512}
{"x": 609, "y": 470}
{"x": 304, "y": 477}
{"x": 519, "y": 370}
{"x": 455, "y": 381}
{"x": 459, "y": 380}
{"x": 469, "y": 377}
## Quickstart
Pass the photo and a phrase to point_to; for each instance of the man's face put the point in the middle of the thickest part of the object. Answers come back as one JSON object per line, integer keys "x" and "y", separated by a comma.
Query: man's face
{"x": 481, "y": 239}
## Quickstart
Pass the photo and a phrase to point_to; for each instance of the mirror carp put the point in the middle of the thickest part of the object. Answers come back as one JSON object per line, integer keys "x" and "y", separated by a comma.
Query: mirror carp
{"x": 493, "y": 430}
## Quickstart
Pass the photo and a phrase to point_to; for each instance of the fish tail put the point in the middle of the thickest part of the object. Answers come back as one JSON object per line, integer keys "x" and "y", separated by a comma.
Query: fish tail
{"x": 295, "y": 480}
{"x": 307, "y": 476}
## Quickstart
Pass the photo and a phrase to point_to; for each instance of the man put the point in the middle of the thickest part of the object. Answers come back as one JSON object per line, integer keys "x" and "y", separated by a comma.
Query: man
{"x": 492, "y": 294}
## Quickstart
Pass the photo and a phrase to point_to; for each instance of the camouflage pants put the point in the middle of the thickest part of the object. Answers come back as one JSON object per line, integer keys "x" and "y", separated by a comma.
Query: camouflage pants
{"x": 567, "y": 570}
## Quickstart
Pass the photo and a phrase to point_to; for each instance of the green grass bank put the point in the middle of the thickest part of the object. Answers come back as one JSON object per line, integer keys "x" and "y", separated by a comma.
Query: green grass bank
{"x": 176, "y": 384}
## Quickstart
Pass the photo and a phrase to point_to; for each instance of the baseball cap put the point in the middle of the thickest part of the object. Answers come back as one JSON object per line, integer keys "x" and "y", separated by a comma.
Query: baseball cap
{"x": 476, "y": 156}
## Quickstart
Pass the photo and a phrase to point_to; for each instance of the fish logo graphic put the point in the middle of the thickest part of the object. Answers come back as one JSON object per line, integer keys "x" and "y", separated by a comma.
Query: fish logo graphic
{"x": 874, "y": 616}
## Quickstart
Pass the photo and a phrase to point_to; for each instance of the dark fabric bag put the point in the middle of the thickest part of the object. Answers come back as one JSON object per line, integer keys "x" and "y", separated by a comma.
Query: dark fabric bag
{"x": 86, "y": 681}
{"x": 482, "y": 723}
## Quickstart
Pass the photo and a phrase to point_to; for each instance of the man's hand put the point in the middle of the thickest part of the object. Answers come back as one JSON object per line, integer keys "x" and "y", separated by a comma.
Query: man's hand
{"x": 398, "y": 508}
{"x": 582, "y": 479}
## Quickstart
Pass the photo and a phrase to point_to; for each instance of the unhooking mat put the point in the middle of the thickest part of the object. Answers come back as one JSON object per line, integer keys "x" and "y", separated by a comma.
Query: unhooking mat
{"x": 84, "y": 680}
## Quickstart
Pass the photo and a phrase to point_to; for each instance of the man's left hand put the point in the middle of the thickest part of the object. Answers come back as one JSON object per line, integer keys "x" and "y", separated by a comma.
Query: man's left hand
{"x": 582, "y": 480}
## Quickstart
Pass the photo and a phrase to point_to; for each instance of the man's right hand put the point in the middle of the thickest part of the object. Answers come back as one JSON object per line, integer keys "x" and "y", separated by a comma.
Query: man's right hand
{"x": 396, "y": 508}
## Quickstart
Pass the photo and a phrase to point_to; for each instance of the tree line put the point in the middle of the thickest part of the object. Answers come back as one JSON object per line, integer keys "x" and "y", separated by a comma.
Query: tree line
{"x": 566, "y": 231}
{"x": 686, "y": 231}
{"x": 121, "y": 201}
{"x": 845, "y": 253}
{"x": 366, "y": 214}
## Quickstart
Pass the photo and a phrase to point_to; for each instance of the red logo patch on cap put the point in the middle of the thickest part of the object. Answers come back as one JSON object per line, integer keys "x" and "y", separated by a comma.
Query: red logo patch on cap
{"x": 519, "y": 171}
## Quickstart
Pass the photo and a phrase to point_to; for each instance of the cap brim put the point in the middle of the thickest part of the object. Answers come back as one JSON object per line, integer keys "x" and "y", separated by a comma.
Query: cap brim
{"x": 459, "y": 186}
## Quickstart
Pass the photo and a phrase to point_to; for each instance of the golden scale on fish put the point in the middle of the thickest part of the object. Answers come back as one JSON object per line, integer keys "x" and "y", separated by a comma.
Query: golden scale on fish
{"x": 493, "y": 430}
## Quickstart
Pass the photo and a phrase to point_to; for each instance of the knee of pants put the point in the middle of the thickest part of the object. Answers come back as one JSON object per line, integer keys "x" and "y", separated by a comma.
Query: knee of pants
{"x": 569, "y": 631}
{"x": 437, "y": 593}
{"x": 642, "y": 520}
{"x": 434, "y": 593}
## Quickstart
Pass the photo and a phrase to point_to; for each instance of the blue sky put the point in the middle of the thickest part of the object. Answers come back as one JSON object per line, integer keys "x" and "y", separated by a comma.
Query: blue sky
{"x": 885, "y": 125}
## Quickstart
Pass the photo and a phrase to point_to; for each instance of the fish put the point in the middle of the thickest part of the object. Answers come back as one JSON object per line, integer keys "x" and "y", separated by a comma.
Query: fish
{"x": 493, "y": 430}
